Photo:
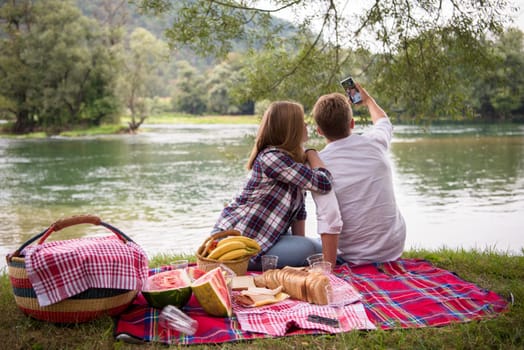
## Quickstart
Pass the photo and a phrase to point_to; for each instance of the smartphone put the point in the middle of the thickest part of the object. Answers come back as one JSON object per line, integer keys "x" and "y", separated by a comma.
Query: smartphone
{"x": 323, "y": 320}
{"x": 351, "y": 90}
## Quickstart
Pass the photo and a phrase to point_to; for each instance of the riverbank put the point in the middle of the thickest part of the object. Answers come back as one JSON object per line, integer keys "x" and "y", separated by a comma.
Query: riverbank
{"x": 501, "y": 273}
{"x": 110, "y": 129}
{"x": 186, "y": 119}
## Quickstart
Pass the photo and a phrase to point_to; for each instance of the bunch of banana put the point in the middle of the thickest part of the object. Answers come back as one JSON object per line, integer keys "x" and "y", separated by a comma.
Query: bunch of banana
{"x": 234, "y": 247}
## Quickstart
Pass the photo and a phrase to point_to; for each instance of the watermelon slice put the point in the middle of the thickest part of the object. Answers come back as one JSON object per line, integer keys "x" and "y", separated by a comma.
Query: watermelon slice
{"x": 212, "y": 293}
{"x": 195, "y": 273}
{"x": 168, "y": 288}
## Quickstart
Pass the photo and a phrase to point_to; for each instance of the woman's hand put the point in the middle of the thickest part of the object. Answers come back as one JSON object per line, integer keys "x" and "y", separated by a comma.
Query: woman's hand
{"x": 313, "y": 159}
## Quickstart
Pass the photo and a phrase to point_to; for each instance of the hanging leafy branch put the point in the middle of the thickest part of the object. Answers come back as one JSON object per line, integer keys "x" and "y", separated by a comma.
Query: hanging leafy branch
{"x": 322, "y": 39}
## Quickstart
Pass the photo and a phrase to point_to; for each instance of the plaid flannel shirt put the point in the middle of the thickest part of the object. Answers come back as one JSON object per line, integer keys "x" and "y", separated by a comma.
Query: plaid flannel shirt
{"x": 273, "y": 197}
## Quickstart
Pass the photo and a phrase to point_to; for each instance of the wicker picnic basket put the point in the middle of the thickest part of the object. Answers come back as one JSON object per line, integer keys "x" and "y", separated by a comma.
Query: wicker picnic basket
{"x": 83, "y": 307}
{"x": 239, "y": 266}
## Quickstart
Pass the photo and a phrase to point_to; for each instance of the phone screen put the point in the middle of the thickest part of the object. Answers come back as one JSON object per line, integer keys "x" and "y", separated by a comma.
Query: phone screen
{"x": 351, "y": 90}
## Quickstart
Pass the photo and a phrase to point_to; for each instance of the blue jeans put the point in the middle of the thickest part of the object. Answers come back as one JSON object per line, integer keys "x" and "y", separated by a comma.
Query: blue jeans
{"x": 291, "y": 251}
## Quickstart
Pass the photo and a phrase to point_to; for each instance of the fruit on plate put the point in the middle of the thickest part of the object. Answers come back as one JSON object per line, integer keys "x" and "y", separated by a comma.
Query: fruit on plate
{"x": 168, "y": 288}
{"x": 232, "y": 248}
{"x": 212, "y": 293}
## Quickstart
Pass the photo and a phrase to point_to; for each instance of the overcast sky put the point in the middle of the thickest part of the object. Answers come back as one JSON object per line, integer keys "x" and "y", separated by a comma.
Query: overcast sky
{"x": 519, "y": 20}
{"x": 518, "y": 17}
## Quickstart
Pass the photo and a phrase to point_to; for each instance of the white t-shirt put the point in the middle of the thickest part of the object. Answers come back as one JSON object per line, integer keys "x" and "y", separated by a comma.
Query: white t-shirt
{"x": 329, "y": 219}
{"x": 373, "y": 228}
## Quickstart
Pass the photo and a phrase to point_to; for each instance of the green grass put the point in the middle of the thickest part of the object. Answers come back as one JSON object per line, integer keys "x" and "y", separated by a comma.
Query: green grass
{"x": 33, "y": 135}
{"x": 93, "y": 131}
{"x": 501, "y": 273}
{"x": 204, "y": 119}
{"x": 107, "y": 129}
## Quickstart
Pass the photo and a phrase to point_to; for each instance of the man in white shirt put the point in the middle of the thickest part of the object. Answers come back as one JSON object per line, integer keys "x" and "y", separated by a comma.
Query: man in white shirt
{"x": 373, "y": 229}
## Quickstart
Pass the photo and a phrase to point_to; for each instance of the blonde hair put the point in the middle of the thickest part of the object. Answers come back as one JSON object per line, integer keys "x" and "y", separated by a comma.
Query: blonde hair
{"x": 282, "y": 126}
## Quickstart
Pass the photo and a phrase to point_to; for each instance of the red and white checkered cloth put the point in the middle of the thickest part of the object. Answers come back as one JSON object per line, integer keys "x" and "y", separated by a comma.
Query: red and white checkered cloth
{"x": 61, "y": 269}
{"x": 277, "y": 319}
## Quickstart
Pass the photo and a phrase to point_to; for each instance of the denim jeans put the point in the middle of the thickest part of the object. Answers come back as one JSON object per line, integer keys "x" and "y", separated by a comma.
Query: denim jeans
{"x": 291, "y": 251}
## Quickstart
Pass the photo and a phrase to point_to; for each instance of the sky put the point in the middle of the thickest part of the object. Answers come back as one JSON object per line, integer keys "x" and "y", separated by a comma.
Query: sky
{"x": 353, "y": 7}
{"x": 518, "y": 17}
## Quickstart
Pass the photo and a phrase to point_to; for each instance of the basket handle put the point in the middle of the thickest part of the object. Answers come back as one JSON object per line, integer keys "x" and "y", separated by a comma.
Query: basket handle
{"x": 76, "y": 220}
{"x": 67, "y": 222}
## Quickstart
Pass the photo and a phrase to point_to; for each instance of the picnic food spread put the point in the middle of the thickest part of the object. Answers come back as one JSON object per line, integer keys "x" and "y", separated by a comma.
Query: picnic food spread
{"x": 298, "y": 294}
{"x": 214, "y": 291}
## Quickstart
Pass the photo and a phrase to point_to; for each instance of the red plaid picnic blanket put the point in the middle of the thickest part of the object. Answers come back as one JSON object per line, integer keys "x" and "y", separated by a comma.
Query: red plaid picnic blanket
{"x": 410, "y": 293}
{"x": 278, "y": 319}
{"x": 401, "y": 294}
{"x": 61, "y": 269}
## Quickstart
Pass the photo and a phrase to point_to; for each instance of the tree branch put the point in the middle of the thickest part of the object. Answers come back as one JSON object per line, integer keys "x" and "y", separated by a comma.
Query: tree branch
{"x": 305, "y": 55}
{"x": 256, "y": 9}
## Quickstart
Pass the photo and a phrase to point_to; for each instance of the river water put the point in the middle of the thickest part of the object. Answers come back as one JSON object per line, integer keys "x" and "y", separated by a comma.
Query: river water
{"x": 457, "y": 186}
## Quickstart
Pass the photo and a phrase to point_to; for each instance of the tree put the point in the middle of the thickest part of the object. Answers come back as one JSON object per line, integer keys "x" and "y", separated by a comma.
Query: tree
{"x": 319, "y": 51}
{"x": 226, "y": 85}
{"x": 55, "y": 71}
{"x": 139, "y": 75}
{"x": 218, "y": 100}
{"x": 190, "y": 89}
{"x": 500, "y": 89}
{"x": 430, "y": 91}
{"x": 110, "y": 14}
{"x": 15, "y": 84}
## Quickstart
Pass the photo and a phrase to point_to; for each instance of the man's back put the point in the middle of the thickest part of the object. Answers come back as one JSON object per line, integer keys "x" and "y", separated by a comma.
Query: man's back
{"x": 373, "y": 228}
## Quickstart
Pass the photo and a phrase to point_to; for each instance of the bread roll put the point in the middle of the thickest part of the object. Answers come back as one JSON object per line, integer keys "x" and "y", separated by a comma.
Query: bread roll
{"x": 316, "y": 283}
{"x": 297, "y": 282}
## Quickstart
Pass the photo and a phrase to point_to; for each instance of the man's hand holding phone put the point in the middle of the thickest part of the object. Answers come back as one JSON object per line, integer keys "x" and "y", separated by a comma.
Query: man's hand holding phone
{"x": 365, "y": 99}
{"x": 352, "y": 90}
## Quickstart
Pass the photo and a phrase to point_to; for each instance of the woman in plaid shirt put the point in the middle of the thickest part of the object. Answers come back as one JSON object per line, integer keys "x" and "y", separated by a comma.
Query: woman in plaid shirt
{"x": 272, "y": 202}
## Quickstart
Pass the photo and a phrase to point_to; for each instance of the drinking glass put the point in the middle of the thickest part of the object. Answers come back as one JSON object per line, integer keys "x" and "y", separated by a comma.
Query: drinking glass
{"x": 174, "y": 318}
{"x": 322, "y": 266}
{"x": 314, "y": 258}
{"x": 335, "y": 297}
{"x": 179, "y": 264}
{"x": 269, "y": 262}
{"x": 228, "y": 276}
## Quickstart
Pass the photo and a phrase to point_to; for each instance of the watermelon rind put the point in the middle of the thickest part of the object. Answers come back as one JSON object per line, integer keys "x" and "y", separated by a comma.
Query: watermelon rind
{"x": 160, "y": 297}
{"x": 212, "y": 293}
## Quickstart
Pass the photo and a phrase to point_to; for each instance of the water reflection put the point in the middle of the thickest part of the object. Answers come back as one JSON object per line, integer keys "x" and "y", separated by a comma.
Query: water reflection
{"x": 162, "y": 187}
{"x": 166, "y": 186}
{"x": 488, "y": 170}
{"x": 462, "y": 189}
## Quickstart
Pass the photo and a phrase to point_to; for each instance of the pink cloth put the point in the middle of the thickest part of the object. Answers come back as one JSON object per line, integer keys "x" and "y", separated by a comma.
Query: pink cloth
{"x": 277, "y": 319}
{"x": 61, "y": 269}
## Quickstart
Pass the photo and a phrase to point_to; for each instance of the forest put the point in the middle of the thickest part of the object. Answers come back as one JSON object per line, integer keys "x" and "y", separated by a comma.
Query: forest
{"x": 68, "y": 64}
